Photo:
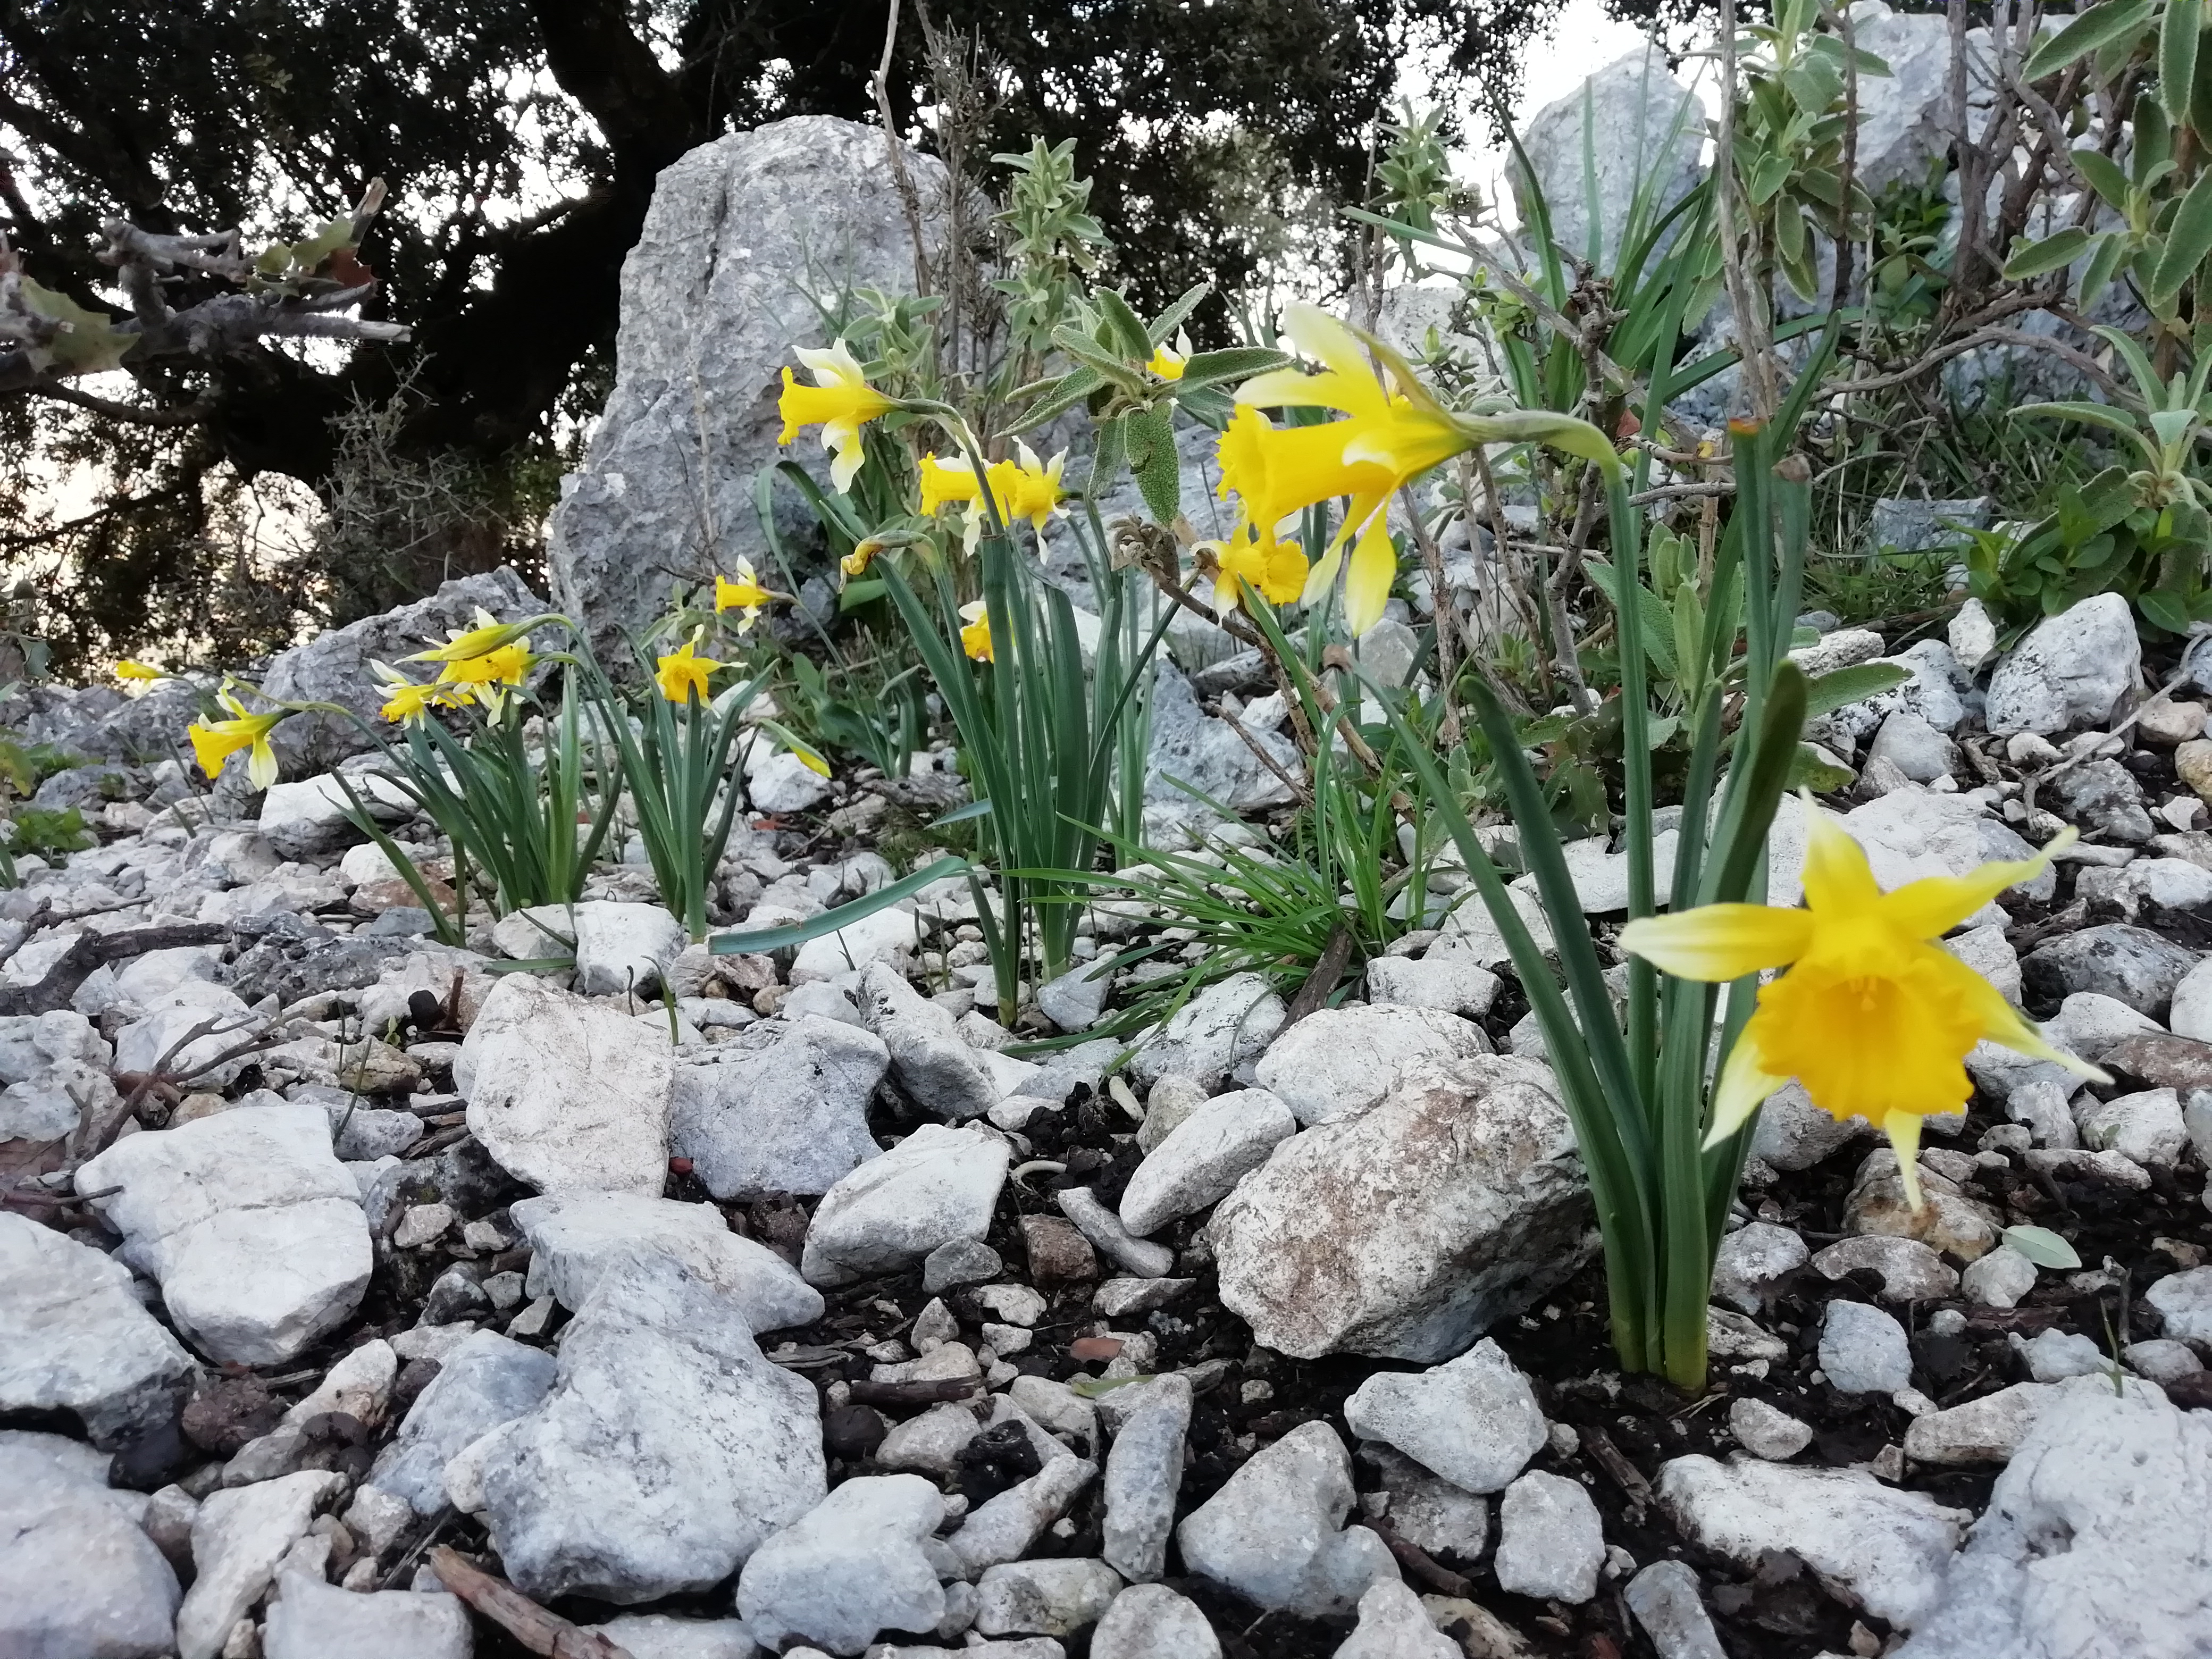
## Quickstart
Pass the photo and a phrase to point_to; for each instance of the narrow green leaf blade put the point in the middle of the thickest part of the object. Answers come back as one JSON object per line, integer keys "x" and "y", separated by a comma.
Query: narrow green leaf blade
{"x": 2177, "y": 56}
{"x": 2187, "y": 241}
{"x": 2095, "y": 28}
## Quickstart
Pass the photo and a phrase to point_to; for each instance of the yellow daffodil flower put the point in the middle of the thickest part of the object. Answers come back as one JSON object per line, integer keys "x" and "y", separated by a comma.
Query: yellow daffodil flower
{"x": 214, "y": 742}
{"x": 945, "y": 481}
{"x": 1027, "y": 488}
{"x": 407, "y": 702}
{"x": 975, "y": 637}
{"x": 138, "y": 678}
{"x": 486, "y": 676}
{"x": 841, "y": 403}
{"x": 745, "y": 595}
{"x": 1390, "y": 437}
{"x": 1873, "y": 1017}
{"x": 682, "y": 673}
{"x": 1278, "y": 571}
{"x": 487, "y": 634}
{"x": 1169, "y": 362}
{"x": 863, "y": 555}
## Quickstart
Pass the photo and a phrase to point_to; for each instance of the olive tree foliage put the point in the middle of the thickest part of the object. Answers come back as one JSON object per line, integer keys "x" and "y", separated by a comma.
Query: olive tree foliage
{"x": 520, "y": 140}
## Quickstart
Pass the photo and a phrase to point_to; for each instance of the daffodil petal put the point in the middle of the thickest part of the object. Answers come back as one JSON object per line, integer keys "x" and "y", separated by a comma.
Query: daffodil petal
{"x": 2004, "y": 1025}
{"x": 1321, "y": 336}
{"x": 1837, "y": 878}
{"x": 1322, "y": 576}
{"x": 1932, "y": 907}
{"x": 1367, "y": 586}
{"x": 261, "y": 764}
{"x": 1902, "y": 1129}
{"x": 1744, "y": 1082}
{"x": 1720, "y": 942}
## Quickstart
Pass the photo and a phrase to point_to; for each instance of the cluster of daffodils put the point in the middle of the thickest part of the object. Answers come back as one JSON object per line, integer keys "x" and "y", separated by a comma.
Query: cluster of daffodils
{"x": 1873, "y": 1017}
{"x": 1390, "y": 435}
{"x": 1023, "y": 487}
{"x": 1377, "y": 433}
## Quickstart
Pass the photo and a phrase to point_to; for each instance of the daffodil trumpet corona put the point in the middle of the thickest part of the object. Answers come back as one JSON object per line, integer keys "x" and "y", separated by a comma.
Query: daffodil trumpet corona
{"x": 1870, "y": 1015}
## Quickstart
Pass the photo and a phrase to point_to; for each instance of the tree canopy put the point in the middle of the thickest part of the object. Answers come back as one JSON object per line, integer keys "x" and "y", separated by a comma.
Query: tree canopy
{"x": 520, "y": 140}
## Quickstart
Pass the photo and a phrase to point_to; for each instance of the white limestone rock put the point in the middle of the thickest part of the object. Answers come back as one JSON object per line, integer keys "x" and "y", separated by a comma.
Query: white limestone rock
{"x": 1886, "y": 1548}
{"x": 253, "y": 1229}
{"x": 2094, "y": 1542}
{"x": 2069, "y": 671}
{"x": 79, "y": 1579}
{"x": 239, "y": 1537}
{"x": 1226, "y": 1024}
{"x": 1405, "y": 1232}
{"x": 1550, "y": 1540}
{"x": 849, "y": 1569}
{"x": 1338, "y": 1061}
{"x": 310, "y": 1620}
{"x": 565, "y": 1093}
{"x": 1204, "y": 1157}
{"x": 576, "y": 1238}
{"x": 781, "y": 1108}
{"x": 73, "y": 1338}
{"x": 1474, "y": 1420}
{"x": 624, "y": 949}
{"x": 1275, "y": 1531}
{"x": 938, "y": 1184}
{"x": 668, "y": 1451}
{"x": 488, "y": 1380}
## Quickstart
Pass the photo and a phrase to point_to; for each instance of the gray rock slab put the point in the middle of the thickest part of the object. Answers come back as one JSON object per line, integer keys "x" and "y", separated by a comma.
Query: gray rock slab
{"x": 253, "y": 1229}
{"x": 1275, "y": 1530}
{"x": 781, "y": 1108}
{"x": 73, "y": 1338}
{"x": 79, "y": 1579}
{"x": 1056, "y": 1597}
{"x": 2070, "y": 670}
{"x": 1474, "y": 1420}
{"x": 927, "y": 1054}
{"x": 668, "y": 1451}
{"x": 1405, "y": 1232}
{"x": 1394, "y": 1625}
{"x": 714, "y": 295}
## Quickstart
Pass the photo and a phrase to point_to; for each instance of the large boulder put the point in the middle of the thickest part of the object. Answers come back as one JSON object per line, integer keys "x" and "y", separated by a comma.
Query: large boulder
{"x": 1644, "y": 124}
{"x": 743, "y": 233}
{"x": 1405, "y": 1231}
